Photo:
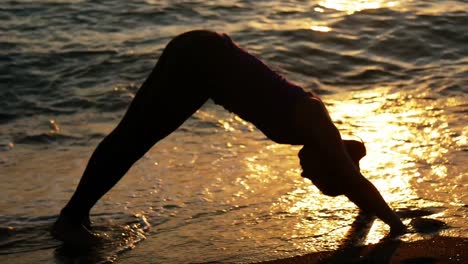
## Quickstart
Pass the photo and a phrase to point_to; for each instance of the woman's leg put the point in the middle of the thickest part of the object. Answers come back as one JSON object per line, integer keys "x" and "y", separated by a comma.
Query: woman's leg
{"x": 176, "y": 88}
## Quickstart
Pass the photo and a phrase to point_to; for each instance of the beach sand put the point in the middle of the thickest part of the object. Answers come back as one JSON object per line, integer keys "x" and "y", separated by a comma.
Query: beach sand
{"x": 438, "y": 249}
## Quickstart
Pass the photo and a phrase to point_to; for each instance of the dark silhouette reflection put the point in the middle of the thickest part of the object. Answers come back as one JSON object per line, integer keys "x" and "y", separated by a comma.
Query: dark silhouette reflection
{"x": 354, "y": 250}
{"x": 359, "y": 230}
{"x": 381, "y": 253}
{"x": 68, "y": 254}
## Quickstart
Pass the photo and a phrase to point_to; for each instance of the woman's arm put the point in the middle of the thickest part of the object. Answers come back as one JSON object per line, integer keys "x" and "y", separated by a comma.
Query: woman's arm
{"x": 325, "y": 155}
{"x": 363, "y": 193}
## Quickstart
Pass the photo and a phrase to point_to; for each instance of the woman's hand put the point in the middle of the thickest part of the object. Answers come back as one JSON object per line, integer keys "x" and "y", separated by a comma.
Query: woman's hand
{"x": 336, "y": 176}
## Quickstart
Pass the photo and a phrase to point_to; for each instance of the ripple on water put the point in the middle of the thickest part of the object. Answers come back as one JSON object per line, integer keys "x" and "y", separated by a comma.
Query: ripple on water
{"x": 31, "y": 235}
{"x": 395, "y": 76}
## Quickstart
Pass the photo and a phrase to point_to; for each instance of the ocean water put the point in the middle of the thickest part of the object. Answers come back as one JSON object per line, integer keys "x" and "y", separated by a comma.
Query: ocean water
{"x": 394, "y": 73}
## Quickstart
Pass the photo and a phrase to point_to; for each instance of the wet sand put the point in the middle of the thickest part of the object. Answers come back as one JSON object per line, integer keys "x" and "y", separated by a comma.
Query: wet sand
{"x": 438, "y": 249}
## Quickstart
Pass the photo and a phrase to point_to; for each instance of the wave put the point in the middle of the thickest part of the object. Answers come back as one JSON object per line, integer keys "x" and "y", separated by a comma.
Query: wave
{"x": 21, "y": 234}
{"x": 90, "y": 63}
{"x": 44, "y": 138}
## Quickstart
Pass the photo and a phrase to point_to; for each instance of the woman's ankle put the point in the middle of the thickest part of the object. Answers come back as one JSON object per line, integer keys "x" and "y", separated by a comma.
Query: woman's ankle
{"x": 75, "y": 216}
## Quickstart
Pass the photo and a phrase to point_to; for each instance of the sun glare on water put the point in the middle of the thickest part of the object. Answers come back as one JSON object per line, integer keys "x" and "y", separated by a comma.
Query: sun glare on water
{"x": 351, "y": 6}
{"x": 347, "y": 6}
{"x": 397, "y": 150}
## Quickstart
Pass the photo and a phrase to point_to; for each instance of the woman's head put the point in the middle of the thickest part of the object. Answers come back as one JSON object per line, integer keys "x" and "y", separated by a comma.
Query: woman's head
{"x": 320, "y": 168}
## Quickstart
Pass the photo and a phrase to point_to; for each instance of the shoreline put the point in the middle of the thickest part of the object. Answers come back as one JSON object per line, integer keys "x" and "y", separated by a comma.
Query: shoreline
{"x": 439, "y": 249}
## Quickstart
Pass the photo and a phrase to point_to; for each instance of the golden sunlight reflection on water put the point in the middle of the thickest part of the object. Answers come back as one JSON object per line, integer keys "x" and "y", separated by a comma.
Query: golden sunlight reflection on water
{"x": 407, "y": 139}
{"x": 352, "y": 6}
{"x": 349, "y": 7}
{"x": 320, "y": 28}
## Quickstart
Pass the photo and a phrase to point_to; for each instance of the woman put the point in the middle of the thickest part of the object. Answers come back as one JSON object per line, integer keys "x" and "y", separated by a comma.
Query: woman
{"x": 193, "y": 68}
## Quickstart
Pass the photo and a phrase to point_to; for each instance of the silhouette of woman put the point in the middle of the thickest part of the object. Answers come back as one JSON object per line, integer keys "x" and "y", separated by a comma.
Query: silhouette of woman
{"x": 197, "y": 66}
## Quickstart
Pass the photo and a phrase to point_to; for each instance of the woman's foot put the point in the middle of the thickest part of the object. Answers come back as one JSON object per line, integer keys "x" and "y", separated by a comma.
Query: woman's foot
{"x": 73, "y": 232}
{"x": 398, "y": 230}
